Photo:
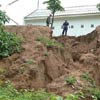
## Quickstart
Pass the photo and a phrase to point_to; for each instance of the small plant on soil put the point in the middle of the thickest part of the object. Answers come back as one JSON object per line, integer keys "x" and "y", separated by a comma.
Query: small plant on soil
{"x": 75, "y": 96}
{"x": 70, "y": 80}
{"x": 94, "y": 92}
{"x": 53, "y": 97}
{"x": 30, "y": 62}
{"x": 46, "y": 54}
{"x": 87, "y": 78}
{"x": 71, "y": 97}
{"x": 2, "y": 70}
{"x": 48, "y": 42}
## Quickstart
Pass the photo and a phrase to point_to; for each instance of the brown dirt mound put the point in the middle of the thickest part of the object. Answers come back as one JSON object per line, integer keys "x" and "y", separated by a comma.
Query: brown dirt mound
{"x": 38, "y": 66}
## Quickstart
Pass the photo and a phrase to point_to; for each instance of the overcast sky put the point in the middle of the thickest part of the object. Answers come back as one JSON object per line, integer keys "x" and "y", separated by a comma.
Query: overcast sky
{"x": 21, "y": 8}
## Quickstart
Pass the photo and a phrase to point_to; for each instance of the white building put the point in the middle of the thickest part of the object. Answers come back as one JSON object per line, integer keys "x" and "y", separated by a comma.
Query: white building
{"x": 82, "y": 19}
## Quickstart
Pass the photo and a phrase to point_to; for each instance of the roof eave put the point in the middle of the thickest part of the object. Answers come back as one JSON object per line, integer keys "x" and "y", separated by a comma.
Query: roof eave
{"x": 62, "y": 16}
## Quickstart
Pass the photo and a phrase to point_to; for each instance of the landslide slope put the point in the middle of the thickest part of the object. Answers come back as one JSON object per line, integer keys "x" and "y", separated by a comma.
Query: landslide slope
{"x": 44, "y": 62}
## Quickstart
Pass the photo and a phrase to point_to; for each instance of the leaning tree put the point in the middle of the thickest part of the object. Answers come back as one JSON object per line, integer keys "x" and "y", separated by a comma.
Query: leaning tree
{"x": 3, "y": 19}
{"x": 53, "y": 6}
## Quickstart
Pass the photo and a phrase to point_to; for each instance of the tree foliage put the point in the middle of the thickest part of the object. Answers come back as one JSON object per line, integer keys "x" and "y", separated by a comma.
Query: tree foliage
{"x": 53, "y": 6}
{"x": 98, "y": 6}
{"x": 3, "y": 18}
{"x": 9, "y": 42}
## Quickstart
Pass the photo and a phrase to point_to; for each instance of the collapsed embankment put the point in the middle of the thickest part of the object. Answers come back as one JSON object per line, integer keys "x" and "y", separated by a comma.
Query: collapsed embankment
{"x": 45, "y": 66}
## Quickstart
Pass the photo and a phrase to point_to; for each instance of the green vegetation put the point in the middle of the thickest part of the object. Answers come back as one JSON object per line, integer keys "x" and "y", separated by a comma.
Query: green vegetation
{"x": 54, "y": 6}
{"x": 3, "y": 18}
{"x": 70, "y": 80}
{"x": 30, "y": 62}
{"x": 87, "y": 78}
{"x": 48, "y": 42}
{"x": 53, "y": 97}
{"x": 8, "y": 92}
{"x": 98, "y": 6}
{"x": 46, "y": 54}
{"x": 93, "y": 92}
{"x": 9, "y": 42}
{"x": 75, "y": 96}
{"x": 2, "y": 70}
{"x": 71, "y": 97}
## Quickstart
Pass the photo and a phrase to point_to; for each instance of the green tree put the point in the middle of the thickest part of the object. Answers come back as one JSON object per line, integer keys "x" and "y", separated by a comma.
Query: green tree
{"x": 3, "y": 19}
{"x": 98, "y": 6}
{"x": 9, "y": 42}
{"x": 53, "y": 6}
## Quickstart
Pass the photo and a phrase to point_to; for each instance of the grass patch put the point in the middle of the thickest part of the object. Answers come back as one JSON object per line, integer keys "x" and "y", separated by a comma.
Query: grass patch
{"x": 70, "y": 80}
{"x": 48, "y": 42}
{"x": 8, "y": 92}
{"x": 87, "y": 78}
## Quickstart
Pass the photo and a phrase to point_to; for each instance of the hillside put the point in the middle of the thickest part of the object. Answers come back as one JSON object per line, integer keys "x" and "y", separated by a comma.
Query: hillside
{"x": 44, "y": 62}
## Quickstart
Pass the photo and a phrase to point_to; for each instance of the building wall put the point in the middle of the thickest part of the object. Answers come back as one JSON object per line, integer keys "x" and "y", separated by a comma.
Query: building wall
{"x": 77, "y": 25}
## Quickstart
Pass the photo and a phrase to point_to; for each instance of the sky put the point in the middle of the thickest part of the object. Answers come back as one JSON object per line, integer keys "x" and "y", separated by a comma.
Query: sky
{"x": 18, "y": 10}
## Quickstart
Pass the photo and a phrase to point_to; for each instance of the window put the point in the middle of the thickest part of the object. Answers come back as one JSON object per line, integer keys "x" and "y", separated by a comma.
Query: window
{"x": 82, "y": 26}
{"x": 92, "y": 25}
{"x": 72, "y": 26}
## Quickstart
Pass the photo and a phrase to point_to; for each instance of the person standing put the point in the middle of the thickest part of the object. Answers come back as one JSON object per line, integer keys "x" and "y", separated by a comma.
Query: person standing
{"x": 65, "y": 28}
{"x": 48, "y": 20}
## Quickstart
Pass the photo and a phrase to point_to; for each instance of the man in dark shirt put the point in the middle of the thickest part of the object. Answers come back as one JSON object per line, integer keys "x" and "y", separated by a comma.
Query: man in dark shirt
{"x": 48, "y": 20}
{"x": 65, "y": 27}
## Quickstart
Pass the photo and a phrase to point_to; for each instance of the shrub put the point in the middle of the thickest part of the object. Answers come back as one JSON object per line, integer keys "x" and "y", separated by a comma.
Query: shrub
{"x": 54, "y": 97}
{"x": 94, "y": 92}
{"x": 9, "y": 43}
{"x": 8, "y": 92}
{"x": 70, "y": 80}
{"x": 3, "y": 18}
{"x": 76, "y": 96}
{"x": 71, "y": 97}
{"x": 2, "y": 70}
{"x": 49, "y": 42}
{"x": 40, "y": 95}
{"x": 87, "y": 78}
{"x": 46, "y": 54}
